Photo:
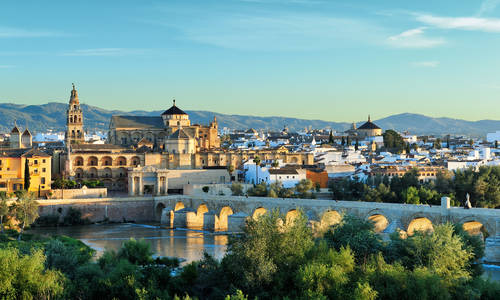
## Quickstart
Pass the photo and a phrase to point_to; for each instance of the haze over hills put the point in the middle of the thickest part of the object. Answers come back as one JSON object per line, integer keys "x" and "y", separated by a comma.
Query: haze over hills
{"x": 52, "y": 115}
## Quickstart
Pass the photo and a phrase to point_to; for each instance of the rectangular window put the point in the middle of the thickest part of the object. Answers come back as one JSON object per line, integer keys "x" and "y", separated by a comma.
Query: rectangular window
{"x": 44, "y": 170}
{"x": 3, "y": 185}
{"x": 43, "y": 180}
{"x": 43, "y": 160}
{"x": 36, "y": 161}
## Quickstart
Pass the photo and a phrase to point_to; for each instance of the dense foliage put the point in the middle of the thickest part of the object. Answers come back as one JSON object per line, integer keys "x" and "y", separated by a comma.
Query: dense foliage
{"x": 483, "y": 187}
{"x": 393, "y": 141}
{"x": 303, "y": 189}
{"x": 61, "y": 183}
{"x": 274, "y": 258}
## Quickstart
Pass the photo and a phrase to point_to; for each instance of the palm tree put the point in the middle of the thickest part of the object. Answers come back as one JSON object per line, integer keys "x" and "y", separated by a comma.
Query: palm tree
{"x": 4, "y": 209}
{"x": 256, "y": 160}
{"x": 230, "y": 169}
{"x": 26, "y": 210}
{"x": 274, "y": 165}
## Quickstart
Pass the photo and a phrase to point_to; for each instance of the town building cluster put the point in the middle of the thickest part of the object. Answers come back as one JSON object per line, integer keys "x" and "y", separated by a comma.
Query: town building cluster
{"x": 167, "y": 154}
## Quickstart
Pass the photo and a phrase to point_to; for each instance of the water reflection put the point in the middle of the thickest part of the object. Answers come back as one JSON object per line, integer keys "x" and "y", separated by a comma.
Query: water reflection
{"x": 187, "y": 244}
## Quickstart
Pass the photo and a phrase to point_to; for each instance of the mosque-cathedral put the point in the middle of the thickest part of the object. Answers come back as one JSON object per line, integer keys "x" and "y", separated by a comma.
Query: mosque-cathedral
{"x": 168, "y": 142}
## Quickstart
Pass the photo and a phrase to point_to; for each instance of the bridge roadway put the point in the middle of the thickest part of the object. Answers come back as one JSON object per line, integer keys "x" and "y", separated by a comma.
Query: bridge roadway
{"x": 229, "y": 213}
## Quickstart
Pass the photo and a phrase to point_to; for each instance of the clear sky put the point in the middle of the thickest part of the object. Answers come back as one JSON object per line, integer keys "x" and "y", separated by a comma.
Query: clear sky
{"x": 330, "y": 60}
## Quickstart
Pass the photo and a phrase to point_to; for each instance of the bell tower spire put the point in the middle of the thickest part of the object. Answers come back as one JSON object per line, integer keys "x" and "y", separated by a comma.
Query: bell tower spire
{"x": 74, "y": 120}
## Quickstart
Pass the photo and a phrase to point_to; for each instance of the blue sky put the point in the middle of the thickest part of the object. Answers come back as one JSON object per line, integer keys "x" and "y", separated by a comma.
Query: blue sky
{"x": 330, "y": 60}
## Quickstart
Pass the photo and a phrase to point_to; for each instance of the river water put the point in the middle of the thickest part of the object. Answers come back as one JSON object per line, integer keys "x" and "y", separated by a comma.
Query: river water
{"x": 188, "y": 245}
{"x": 185, "y": 244}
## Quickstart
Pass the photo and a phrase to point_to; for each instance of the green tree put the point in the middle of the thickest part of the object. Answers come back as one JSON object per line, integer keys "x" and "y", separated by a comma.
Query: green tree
{"x": 27, "y": 176}
{"x": 25, "y": 209}
{"x": 257, "y": 161}
{"x": 137, "y": 252}
{"x": 4, "y": 209}
{"x": 326, "y": 275}
{"x": 25, "y": 276}
{"x": 237, "y": 189}
{"x": 259, "y": 190}
{"x": 442, "y": 251}
{"x": 304, "y": 187}
{"x": 275, "y": 164}
{"x": 393, "y": 141}
{"x": 230, "y": 170}
{"x": 356, "y": 233}
{"x": 356, "y": 146}
{"x": 264, "y": 260}
{"x": 343, "y": 141}
{"x": 411, "y": 196}
{"x": 330, "y": 138}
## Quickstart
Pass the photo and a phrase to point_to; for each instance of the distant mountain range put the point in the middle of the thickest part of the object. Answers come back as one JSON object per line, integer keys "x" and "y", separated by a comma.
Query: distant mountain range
{"x": 40, "y": 118}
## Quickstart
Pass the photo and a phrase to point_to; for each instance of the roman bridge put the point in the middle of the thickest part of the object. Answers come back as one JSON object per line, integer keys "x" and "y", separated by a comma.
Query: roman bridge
{"x": 229, "y": 213}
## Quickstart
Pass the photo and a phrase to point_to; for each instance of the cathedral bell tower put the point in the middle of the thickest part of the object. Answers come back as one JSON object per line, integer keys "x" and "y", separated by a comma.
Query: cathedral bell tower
{"x": 74, "y": 120}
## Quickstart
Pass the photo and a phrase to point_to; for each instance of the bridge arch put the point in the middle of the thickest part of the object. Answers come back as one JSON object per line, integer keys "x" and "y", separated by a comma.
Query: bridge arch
{"x": 330, "y": 217}
{"x": 202, "y": 209}
{"x": 178, "y": 206}
{"x": 380, "y": 221}
{"x": 159, "y": 210}
{"x": 259, "y": 211}
{"x": 419, "y": 224}
{"x": 222, "y": 220}
{"x": 291, "y": 215}
{"x": 477, "y": 226}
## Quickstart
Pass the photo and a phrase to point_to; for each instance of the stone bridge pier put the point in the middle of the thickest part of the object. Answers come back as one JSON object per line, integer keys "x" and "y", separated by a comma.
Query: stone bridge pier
{"x": 229, "y": 213}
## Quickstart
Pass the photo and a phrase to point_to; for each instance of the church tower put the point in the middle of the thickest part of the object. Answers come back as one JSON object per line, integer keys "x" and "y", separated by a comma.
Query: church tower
{"x": 74, "y": 120}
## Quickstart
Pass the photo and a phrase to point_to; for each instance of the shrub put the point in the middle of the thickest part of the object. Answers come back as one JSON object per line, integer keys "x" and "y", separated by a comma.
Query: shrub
{"x": 47, "y": 221}
{"x": 74, "y": 217}
{"x": 237, "y": 189}
{"x": 205, "y": 189}
{"x": 137, "y": 252}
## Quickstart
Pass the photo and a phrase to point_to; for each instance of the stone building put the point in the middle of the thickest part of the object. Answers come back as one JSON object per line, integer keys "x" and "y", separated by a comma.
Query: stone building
{"x": 107, "y": 163}
{"x": 74, "y": 120}
{"x": 159, "y": 181}
{"x": 368, "y": 129}
{"x": 20, "y": 141}
{"x": 12, "y": 170}
{"x": 165, "y": 142}
{"x": 425, "y": 173}
{"x": 129, "y": 130}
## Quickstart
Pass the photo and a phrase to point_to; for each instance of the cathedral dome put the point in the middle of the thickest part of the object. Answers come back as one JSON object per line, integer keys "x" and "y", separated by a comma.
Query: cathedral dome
{"x": 174, "y": 110}
{"x": 369, "y": 125}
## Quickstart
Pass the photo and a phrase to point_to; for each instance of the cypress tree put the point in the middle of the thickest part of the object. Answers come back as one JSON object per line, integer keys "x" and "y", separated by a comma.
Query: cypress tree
{"x": 27, "y": 178}
{"x": 356, "y": 146}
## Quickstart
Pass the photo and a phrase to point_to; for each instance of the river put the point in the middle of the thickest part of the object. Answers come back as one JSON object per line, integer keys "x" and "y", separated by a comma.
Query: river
{"x": 182, "y": 243}
{"x": 186, "y": 244}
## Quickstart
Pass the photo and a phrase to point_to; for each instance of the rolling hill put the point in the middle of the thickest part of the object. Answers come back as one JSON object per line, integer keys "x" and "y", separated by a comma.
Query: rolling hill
{"x": 40, "y": 118}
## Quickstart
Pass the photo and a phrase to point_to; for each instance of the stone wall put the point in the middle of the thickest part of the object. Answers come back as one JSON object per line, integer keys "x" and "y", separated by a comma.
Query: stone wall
{"x": 97, "y": 210}
{"x": 83, "y": 193}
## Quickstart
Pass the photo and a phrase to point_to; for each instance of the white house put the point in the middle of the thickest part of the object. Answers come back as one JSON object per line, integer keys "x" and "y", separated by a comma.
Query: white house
{"x": 287, "y": 176}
